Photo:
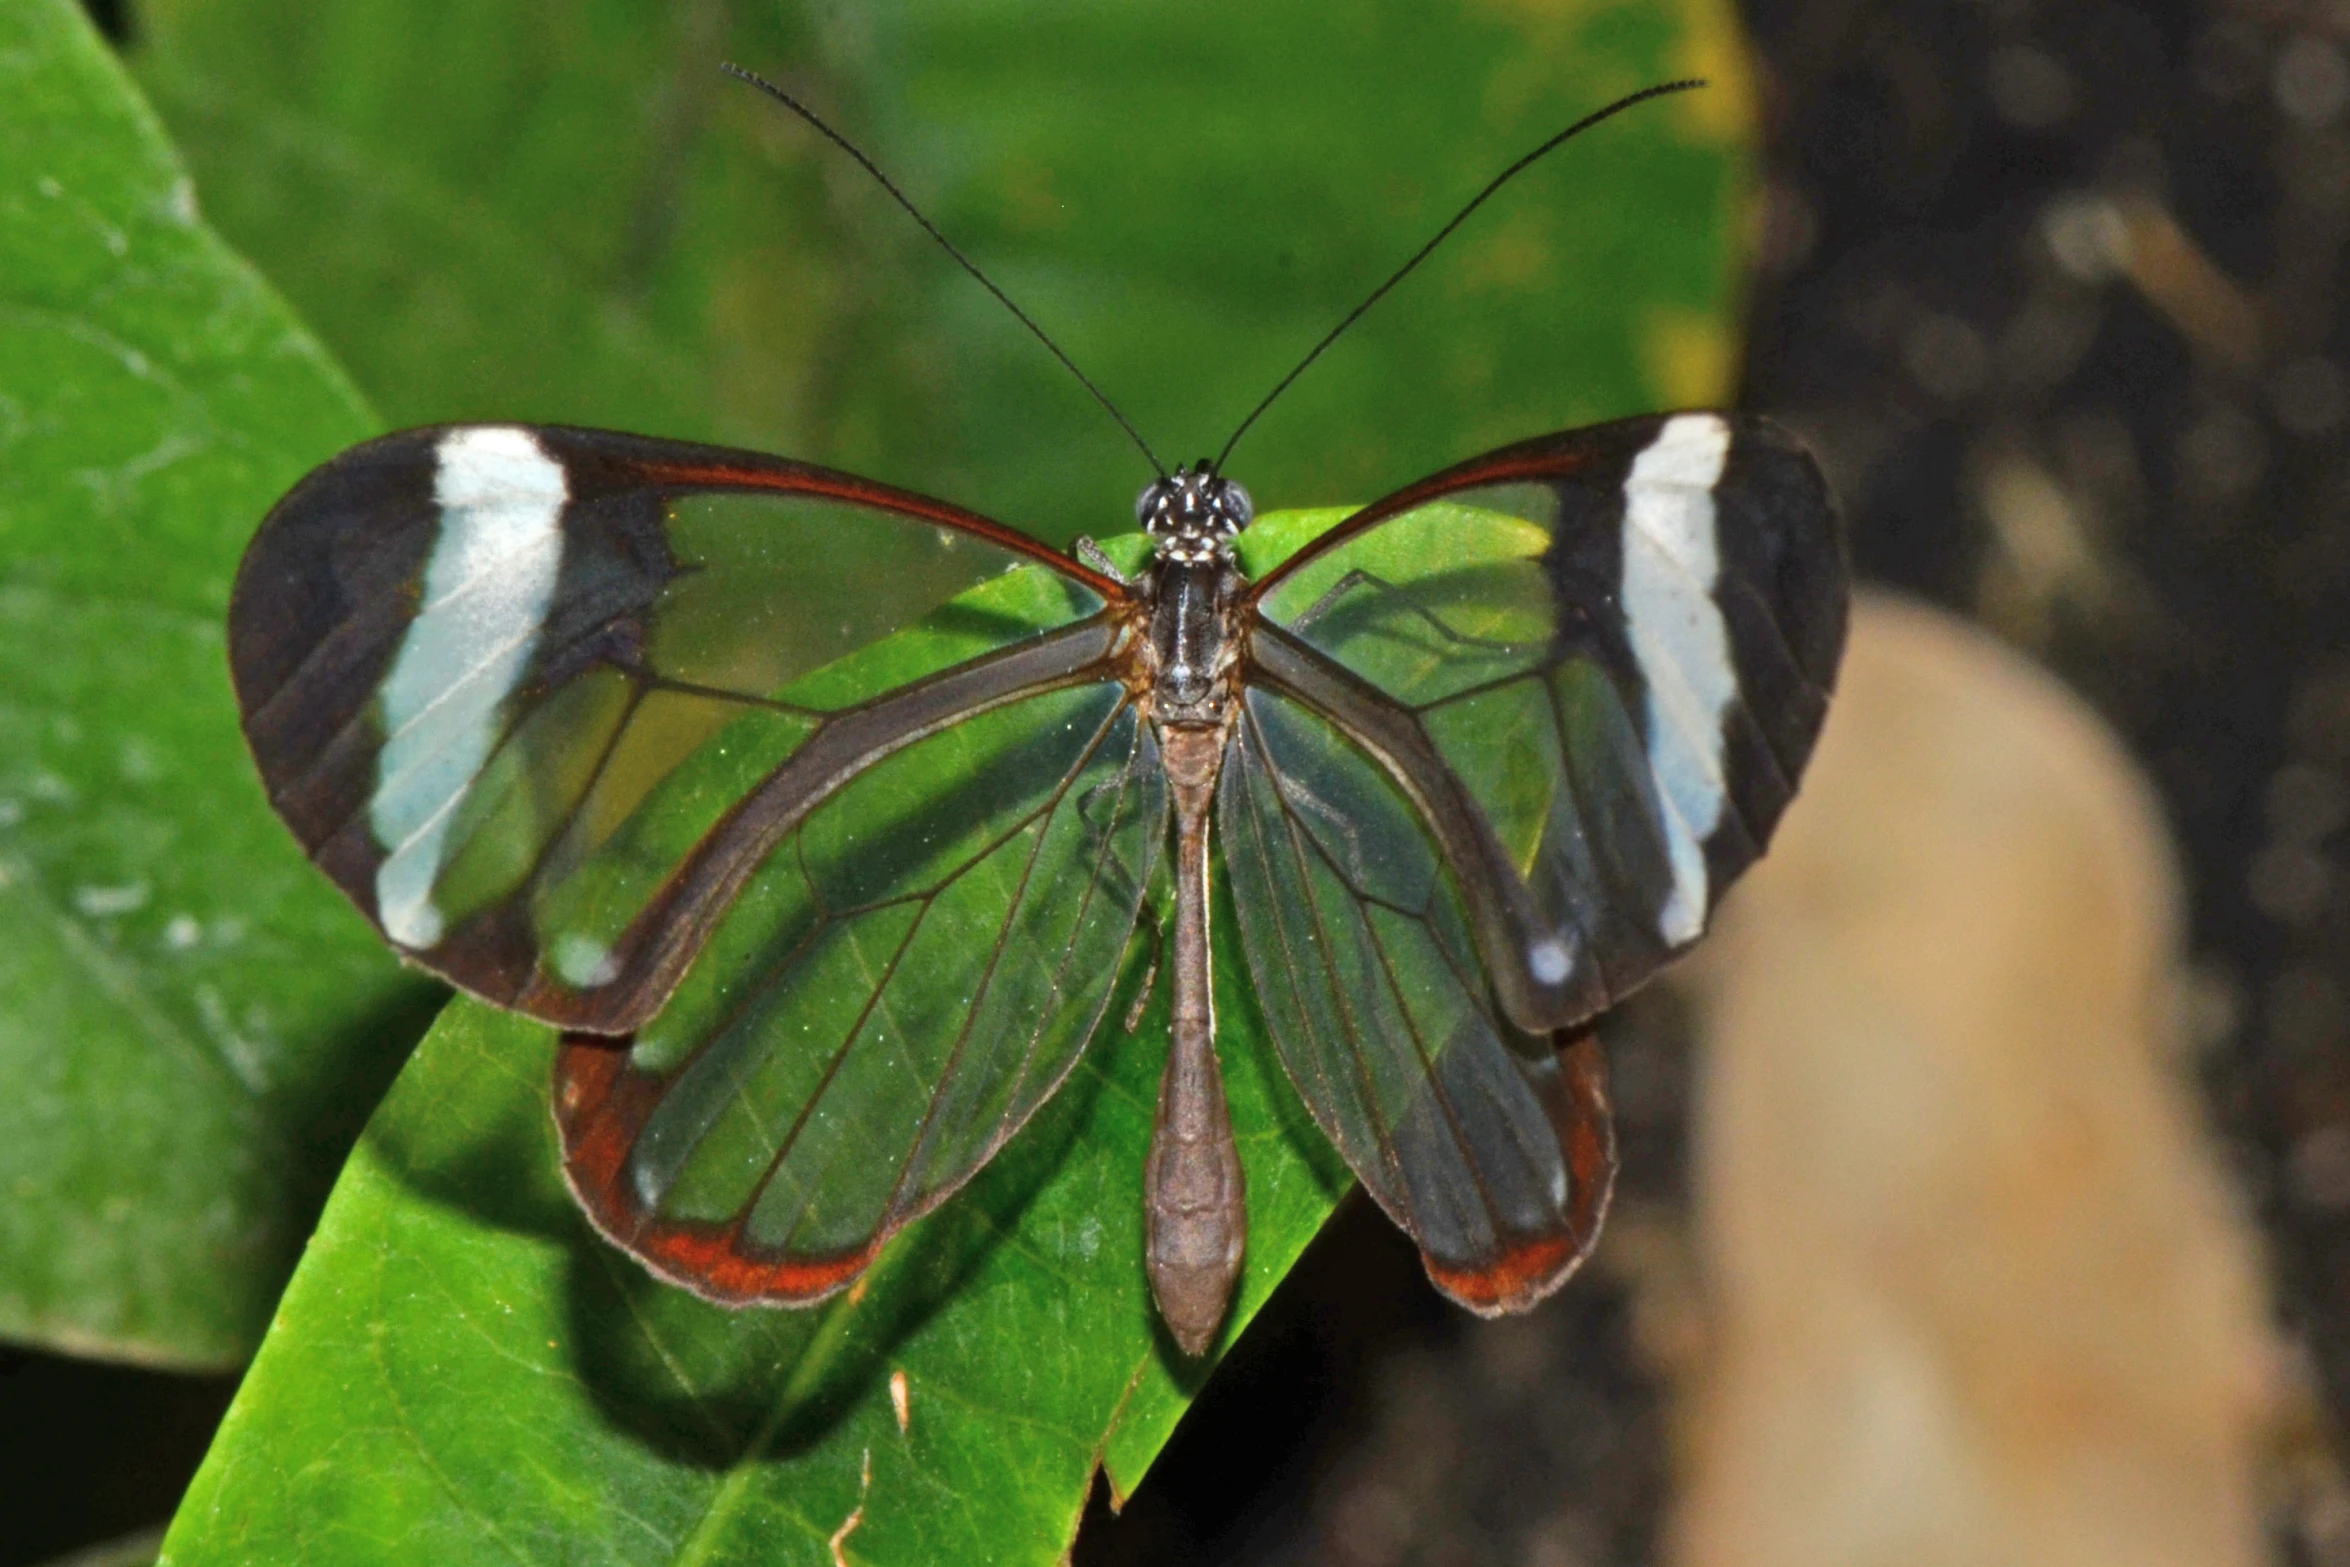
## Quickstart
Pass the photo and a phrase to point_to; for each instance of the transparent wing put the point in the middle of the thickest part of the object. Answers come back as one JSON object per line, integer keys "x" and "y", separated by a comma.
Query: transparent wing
{"x": 909, "y": 975}
{"x": 1487, "y": 1145}
{"x": 1597, "y": 663}
{"x": 540, "y": 699}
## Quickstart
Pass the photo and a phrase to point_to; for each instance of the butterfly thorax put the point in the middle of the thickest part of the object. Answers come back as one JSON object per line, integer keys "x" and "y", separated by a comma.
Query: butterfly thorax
{"x": 1192, "y": 588}
{"x": 1192, "y": 651}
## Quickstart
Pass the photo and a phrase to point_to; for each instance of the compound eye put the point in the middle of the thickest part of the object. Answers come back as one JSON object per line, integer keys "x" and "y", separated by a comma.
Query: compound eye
{"x": 1146, "y": 505}
{"x": 1237, "y": 505}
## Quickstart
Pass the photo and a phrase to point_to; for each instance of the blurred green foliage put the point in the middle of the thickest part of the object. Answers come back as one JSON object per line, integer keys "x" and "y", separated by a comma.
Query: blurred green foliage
{"x": 192, "y": 1027}
{"x": 556, "y": 210}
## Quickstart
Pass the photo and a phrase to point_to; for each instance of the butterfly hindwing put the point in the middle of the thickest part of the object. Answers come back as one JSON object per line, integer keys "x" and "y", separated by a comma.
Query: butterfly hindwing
{"x": 1489, "y": 1147}
{"x": 912, "y": 973}
{"x": 539, "y": 699}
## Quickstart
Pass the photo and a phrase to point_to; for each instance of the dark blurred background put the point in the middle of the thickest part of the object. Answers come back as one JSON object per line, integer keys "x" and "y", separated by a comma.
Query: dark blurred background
{"x": 2054, "y": 289}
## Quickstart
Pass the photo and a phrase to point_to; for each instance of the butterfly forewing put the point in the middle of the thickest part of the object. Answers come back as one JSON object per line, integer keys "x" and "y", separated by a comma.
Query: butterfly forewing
{"x": 1464, "y": 1128}
{"x": 909, "y": 975}
{"x": 533, "y": 696}
{"x": 1619, "y": 642}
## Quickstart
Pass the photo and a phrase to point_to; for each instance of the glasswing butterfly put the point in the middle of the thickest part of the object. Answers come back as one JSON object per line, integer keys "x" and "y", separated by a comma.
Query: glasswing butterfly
{"x": 829, "y": 900}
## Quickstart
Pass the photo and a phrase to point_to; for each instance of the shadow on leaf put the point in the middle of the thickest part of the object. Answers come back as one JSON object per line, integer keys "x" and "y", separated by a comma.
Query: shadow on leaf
{"x": 710, "y": 1385}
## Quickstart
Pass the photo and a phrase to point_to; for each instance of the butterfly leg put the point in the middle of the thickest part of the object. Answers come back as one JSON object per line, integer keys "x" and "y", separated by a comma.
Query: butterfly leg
{"x": 1329, "y": 601}
{"x": 1091, "y": 554}
{"x": 1298, "y": 795}
{"x": 1150, "y": 975}
{"x": 1358, "y": 579}
{"x": 1098, "y": 823}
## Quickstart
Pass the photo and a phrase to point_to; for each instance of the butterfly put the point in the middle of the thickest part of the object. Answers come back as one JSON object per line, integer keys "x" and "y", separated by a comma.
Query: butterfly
{"x": 830, "y": 879}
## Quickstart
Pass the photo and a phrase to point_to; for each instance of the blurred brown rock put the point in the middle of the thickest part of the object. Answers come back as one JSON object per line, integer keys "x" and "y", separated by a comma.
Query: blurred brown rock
{"x": 1976, "y": 1290}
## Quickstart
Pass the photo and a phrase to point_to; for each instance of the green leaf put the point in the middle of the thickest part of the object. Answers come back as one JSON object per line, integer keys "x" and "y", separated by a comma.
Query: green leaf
{"x": 461, "y": 1371}
{"x": 192, "y": 1027}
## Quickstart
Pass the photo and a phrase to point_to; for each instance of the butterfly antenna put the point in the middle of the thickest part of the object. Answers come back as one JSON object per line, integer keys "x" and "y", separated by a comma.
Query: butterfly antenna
{"x": 1458, "y": 218}
{"x": 947, "y": 245}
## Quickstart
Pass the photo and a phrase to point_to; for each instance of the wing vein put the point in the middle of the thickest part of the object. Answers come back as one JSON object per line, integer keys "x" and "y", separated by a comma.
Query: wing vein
{"x": 1050, "y": 807}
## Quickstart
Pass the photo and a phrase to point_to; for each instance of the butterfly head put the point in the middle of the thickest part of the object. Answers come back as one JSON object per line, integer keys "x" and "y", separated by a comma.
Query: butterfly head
{"x": 1194, "y": 514}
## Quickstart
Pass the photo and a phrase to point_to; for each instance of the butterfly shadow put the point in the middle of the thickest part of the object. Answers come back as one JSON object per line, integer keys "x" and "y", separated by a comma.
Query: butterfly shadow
{"x": 328, "y": 1114}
